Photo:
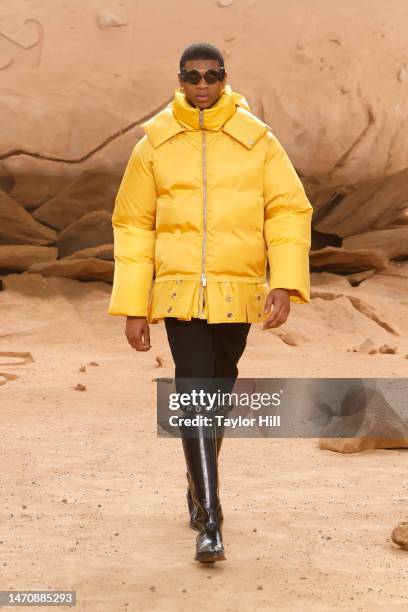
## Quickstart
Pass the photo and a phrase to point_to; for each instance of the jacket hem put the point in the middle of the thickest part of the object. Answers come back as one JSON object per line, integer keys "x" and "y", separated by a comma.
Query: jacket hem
{"x": 219, "y": 278}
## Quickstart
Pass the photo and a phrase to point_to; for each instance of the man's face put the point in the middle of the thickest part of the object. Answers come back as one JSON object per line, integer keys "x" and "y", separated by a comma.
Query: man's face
{"x": 202, "y": 95}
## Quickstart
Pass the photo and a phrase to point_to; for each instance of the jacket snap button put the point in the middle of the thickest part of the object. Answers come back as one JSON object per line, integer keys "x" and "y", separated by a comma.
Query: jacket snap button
{"x": 169, "y": 309}
{"x": 173, "y": 294}
{"x": 229, "y": 314}
{"x": 228, "y": 298}
{"x": 258, "y": 297}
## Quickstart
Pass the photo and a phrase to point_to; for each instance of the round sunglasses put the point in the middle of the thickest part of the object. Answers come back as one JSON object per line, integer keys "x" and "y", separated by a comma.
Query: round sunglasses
{"x": 210, "y": 76}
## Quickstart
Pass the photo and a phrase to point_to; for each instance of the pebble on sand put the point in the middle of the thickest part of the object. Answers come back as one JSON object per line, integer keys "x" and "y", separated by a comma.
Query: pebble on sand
{"x": 386, "y": 349}
{"x": 107, "y": 20}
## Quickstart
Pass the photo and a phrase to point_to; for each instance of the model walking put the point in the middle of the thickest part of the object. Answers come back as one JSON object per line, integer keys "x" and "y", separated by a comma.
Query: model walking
{"x": 209, "y": 197}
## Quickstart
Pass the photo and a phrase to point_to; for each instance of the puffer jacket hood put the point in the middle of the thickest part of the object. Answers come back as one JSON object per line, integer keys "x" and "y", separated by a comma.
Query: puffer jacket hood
{"x": 230, "y": 113}
{"x": 213, "y": 118}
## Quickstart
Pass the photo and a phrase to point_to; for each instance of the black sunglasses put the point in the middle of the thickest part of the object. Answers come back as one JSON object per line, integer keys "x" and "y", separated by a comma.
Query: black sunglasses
{"x": 194, "y": 77}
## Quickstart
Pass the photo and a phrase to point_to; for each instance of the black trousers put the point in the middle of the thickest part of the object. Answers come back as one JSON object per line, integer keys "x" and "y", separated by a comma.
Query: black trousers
{"x": 206, "y": 351}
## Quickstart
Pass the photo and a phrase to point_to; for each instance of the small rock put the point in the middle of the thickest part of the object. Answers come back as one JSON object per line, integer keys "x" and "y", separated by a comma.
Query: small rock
{"x": 80, "y": 387}
{"x": 292, "y": 338}
{"x": 93, "y": 363}
{"x": 402, "y": 75}
{"x": 153, "y": 589}
{"x": 303, "y": 56}
{"x": 82, "y": 368}
{"x": 367, "y": 347}
{"x": 159, "y": 361}
{"x": 107, "y": 20}
{"x": 399, "y": 535}
{"x": 287, "y": 338}
{"x": 386, "y": 349}
{"x": 259, "y": 587}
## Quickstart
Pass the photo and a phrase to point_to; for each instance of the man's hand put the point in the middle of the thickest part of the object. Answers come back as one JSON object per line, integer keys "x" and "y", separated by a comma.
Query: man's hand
{"x": 138, "y": 333}
{"x": 279, "y": 298}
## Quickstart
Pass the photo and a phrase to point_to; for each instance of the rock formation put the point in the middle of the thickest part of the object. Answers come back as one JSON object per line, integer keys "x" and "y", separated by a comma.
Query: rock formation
{"x": 76, "y": 83}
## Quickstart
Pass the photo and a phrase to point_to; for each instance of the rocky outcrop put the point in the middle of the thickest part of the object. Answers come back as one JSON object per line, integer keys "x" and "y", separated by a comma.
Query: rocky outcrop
{"x": 19, "y": 257}
{"x": 65, "y": 160}
{"x": 102, "y": 251}
{"x": 93, "y": 190}
{"x": 346, "y": 210}
{"x": 87, "y": 269}
{"x": 17, "y": 226}
{"x": 94, "y": 263}
{"x": 365, "y": 420}
{"x": 392, "y": 242}
{"x": 339, "y": 259}
{"x": 92, "y": 229}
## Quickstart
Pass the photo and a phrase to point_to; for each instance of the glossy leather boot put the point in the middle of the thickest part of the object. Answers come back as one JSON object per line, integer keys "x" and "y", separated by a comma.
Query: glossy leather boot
{"x": 202, "y": 465}
{"x": 192, "y": 508}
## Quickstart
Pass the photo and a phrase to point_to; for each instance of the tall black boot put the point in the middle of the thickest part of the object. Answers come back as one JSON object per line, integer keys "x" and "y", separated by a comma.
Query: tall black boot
{"x": 222, "y": 385}
{"x": 192, "y": 508}
{"x": 201, "y": 459}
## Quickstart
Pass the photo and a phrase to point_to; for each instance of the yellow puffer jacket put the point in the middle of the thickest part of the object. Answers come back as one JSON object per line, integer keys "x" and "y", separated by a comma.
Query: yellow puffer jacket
{"x": 208, "y": 198}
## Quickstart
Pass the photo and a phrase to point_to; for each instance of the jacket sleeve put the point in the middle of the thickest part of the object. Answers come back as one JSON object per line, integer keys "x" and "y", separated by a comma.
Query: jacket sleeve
{"x": 134, "y": 234}
{"x": 287, "y": 224}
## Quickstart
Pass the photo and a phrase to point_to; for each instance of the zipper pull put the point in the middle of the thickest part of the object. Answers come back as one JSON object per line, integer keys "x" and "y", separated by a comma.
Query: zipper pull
{"x": 203, "y": 280}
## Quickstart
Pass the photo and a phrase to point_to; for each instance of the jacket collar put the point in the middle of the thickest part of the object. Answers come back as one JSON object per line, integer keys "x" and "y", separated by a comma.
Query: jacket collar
{"x": 213, "y": 118}
{"x": 230, "y": 113}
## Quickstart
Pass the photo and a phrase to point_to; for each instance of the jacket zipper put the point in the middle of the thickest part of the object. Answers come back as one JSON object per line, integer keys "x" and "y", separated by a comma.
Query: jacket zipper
{"x": 204, "y": 153}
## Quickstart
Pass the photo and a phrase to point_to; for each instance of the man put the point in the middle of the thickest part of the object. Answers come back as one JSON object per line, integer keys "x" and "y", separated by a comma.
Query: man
{"x": 209, "y": 197}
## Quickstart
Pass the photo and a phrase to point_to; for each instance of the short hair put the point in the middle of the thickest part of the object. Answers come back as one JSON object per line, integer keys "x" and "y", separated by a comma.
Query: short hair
{"x": 201, "y": 51}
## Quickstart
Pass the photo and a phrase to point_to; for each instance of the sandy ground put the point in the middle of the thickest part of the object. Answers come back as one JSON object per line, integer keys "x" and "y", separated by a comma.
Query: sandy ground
{"x": 93, "y": 501}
